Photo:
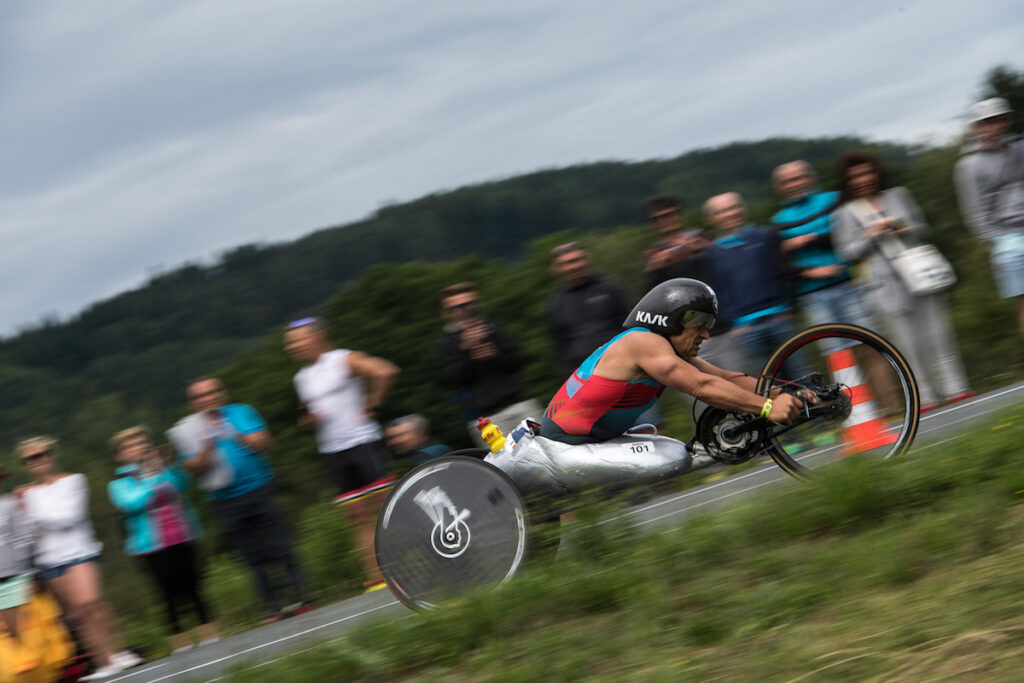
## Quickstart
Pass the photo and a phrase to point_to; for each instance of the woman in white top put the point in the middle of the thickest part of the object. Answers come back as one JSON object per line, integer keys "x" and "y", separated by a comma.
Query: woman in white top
{"x": 67, "y": 552}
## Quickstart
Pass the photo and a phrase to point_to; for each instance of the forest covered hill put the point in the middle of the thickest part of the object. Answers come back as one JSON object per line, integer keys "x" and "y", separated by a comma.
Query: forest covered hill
{"x": 141, "y": 345}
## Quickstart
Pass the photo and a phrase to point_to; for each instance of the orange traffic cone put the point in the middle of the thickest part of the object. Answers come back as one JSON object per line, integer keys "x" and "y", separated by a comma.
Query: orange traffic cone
{"x": 863, "y": 430}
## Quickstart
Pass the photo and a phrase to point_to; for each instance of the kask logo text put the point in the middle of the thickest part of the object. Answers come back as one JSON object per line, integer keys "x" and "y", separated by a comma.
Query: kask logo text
{"x": 651, "y": 318}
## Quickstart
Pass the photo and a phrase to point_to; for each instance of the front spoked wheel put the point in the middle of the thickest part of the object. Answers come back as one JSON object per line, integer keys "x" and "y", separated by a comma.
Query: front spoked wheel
{"x": 874, "y": 407}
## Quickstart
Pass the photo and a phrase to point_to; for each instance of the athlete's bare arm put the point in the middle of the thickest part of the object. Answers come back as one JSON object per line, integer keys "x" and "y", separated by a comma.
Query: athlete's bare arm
{"x": 638, "y": 355}
{"x": 738, "y": 378}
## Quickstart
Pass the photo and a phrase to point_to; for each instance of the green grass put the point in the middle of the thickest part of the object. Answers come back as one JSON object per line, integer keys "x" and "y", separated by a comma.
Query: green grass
{"x": 909, "y": 570}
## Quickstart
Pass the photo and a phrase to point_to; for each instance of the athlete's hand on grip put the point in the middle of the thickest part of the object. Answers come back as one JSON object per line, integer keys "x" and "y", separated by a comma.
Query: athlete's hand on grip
{"x": 785, "y": 408}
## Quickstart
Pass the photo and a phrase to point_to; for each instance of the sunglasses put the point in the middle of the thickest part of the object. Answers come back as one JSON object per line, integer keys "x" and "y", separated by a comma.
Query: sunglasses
{"x": 204, "y": 394}
{"x": 34, "y": 457}
{"x": 664, "y": 215}
{"x": 465, "y": 305}
{"x": 566, "y": 249}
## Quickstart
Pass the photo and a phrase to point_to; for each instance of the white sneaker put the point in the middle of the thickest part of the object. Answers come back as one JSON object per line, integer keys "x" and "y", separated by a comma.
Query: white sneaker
{"x": 107, "y": 671}
{"x": 126, "y": 659}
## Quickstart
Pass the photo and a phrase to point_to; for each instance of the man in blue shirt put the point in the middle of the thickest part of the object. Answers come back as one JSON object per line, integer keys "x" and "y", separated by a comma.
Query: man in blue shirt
{"x": 746, "y": 267}
{"x": 823, "y": 286}
{"x": 224, "y": 445}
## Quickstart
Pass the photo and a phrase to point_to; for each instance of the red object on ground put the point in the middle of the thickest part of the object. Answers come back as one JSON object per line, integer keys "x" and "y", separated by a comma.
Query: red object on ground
{"x": 865, "y": 428}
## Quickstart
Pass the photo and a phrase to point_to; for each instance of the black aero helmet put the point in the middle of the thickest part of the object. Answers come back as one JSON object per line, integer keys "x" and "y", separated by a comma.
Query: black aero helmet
{"x": 673, "y": 305}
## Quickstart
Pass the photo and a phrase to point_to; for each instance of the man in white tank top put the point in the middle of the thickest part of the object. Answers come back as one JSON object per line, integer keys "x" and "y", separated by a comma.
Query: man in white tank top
{"x": 341, "y": 391}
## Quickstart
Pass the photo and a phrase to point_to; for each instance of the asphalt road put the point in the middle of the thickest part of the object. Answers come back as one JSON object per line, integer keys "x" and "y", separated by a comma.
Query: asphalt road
{"x": 275, "y": 642}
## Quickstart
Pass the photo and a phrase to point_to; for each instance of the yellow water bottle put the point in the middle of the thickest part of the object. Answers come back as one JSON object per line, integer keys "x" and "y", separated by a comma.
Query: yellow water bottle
{"x": 491, "y": 434}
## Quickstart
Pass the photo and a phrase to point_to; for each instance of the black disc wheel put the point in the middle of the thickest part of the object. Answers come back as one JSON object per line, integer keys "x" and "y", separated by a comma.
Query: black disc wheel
{"x": 450, "y": 525}
{"x": 875, "y": 410}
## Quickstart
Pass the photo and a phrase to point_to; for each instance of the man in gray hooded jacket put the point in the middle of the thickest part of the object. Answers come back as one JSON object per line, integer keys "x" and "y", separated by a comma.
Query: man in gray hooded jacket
{"x": 990, "y": 184}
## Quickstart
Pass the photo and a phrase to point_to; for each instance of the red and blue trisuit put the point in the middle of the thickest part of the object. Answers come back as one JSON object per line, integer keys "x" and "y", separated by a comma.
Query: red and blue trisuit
{"x": 589, "y": 408}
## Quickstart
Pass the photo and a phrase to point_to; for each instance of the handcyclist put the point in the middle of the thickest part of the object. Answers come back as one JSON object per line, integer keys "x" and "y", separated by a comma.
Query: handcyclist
{"x": 624, "y": 377}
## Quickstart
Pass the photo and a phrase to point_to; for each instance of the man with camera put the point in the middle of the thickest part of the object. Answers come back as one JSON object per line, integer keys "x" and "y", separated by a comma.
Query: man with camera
{"x": 481, "y": 362}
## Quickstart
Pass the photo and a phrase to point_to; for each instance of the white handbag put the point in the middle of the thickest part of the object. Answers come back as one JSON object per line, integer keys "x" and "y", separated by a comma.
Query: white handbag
{"x": 923, "y": 269}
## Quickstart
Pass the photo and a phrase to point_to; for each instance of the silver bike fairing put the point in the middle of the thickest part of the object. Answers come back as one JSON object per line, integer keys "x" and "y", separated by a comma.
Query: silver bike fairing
{"x": 543, "y": 466}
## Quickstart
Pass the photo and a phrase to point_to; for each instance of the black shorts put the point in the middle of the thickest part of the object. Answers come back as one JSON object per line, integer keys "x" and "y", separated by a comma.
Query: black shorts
{"x": 255, "y": 525}
{"x": 358, "y": 467}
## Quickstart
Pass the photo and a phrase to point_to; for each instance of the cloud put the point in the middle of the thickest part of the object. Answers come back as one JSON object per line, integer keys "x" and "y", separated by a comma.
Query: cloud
{"x": 142, "y": 134}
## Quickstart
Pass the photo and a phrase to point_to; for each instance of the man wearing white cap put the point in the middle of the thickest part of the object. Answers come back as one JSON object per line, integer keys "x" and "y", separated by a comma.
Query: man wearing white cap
{"x": 990, "y": 184}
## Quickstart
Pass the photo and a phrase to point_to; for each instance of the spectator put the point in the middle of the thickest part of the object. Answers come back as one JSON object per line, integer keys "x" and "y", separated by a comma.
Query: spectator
{"x": 920, "y": 325}
{"x": 161, "y": 529}
{"x": 747, "y": 268}
{"x": 671, "y": 256}
{"x": 585, "y": 311}
{"x": 479, "y": 359}
{"x": 224, "y": 445}
{"x": 990, "y": 184}
{"x": 15, "y": 574}
{"x": 342, "y": 391}
{"x": 67, "y": 553}
{"x": 682, "y": 253}
{"x": 409, "y": 438}
{"x": 824, "y": 286}
{"x": 823, "y": 283}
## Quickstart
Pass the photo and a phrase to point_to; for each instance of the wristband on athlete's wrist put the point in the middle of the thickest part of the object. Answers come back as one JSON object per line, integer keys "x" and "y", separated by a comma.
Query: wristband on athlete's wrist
{"x": 766, "y": 408}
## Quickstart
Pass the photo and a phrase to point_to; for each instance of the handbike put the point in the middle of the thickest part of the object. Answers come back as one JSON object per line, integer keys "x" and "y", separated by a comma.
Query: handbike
{"x": 459, "y": 522}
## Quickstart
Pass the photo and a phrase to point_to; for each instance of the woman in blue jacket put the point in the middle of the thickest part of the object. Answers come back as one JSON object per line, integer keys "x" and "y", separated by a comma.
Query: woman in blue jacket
{"x": 161, "y": 528}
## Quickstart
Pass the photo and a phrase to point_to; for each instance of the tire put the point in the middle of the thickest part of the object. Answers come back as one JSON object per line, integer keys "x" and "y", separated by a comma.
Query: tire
{"x": 895, "y": 430}
{"x": 450, "y": 525}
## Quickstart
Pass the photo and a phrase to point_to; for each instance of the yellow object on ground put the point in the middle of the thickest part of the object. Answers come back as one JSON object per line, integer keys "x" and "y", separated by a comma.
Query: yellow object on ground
{"x": 45, "y": 647}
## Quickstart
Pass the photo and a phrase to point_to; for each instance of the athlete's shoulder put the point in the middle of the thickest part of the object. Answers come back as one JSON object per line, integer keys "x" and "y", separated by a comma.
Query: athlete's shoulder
{"x": 643, "y": 341}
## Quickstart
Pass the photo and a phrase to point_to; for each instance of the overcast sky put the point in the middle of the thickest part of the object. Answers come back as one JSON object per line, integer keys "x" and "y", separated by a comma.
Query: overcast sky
{"x": 139, "y": 135}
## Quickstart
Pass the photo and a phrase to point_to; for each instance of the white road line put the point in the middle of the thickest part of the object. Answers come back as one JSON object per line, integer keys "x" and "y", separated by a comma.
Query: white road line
{"x": 729, "y": 480}
{"x": 706, "y": 502}
{"x": 253, "y": 649}
{"x": 632, "y": 513}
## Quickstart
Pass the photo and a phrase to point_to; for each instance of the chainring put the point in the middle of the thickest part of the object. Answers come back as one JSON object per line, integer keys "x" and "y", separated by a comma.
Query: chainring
{"x": 716, "y": 431}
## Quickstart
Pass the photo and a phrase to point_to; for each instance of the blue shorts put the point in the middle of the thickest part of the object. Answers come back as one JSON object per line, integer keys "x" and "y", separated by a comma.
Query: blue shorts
{"x": 1008, "y": 265}
{"x": 47, "y": 573}
{"x": 841, "y": 303}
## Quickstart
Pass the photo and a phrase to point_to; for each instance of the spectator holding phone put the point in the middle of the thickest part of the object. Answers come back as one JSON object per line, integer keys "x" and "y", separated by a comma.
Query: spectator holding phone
{"x": 161, "y": 529}
{"x": 482, "y": 362}
{"x": 684, "y": 253}
{"x": 56, "y": 506}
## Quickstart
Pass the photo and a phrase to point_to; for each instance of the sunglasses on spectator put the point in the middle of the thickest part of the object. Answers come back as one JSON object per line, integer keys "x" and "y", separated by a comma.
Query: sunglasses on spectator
{"x": 564, "y": 249}
{"x": 465, "y": 305}
{"x": 664, "y": 215}
{"x": 203, "y": 394}
{"x": 34, "y": 457}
